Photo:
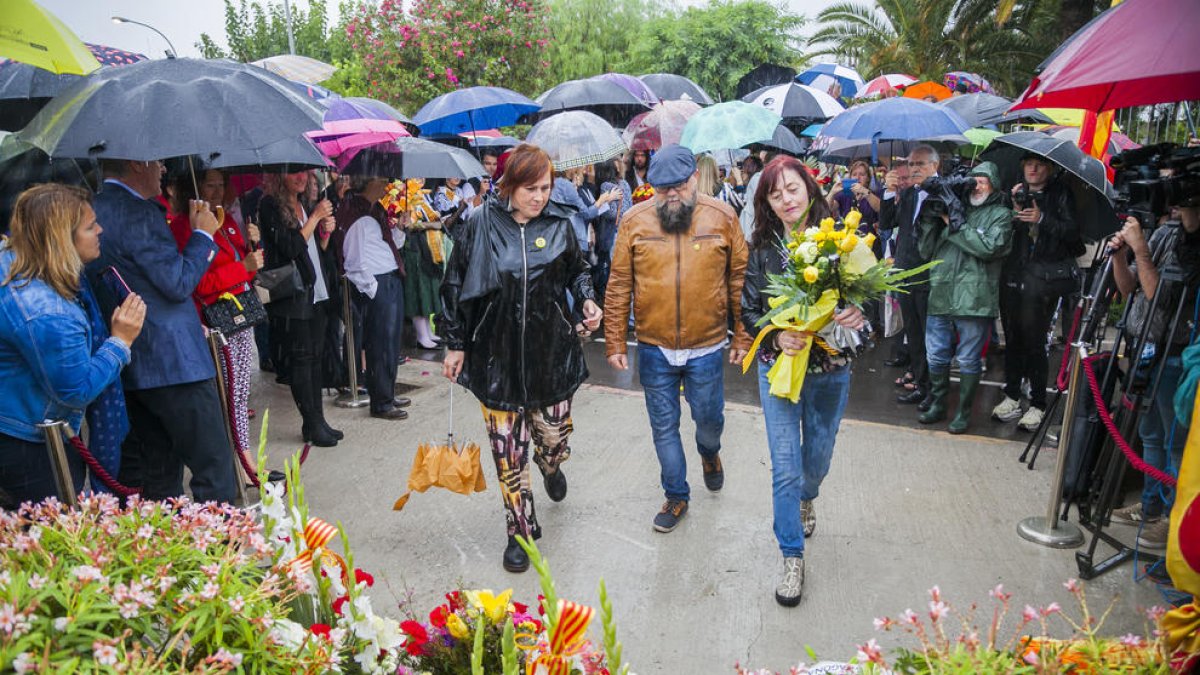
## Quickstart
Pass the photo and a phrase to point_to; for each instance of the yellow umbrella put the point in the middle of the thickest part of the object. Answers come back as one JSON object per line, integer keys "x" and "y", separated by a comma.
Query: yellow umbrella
{"x": 32, "y": 35}
{"x": 1067, "y": 117}
{"x": 448, "y": 465}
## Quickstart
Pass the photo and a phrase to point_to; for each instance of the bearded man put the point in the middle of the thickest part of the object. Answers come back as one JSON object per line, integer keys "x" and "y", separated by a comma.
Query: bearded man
{"x": 680, "y": 258}
{"x": 964, "y": 291}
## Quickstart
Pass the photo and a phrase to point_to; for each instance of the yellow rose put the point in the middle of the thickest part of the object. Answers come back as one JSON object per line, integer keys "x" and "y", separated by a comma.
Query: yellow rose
{"x": 819, "y": 237}
{"x": 792, "y": 245}
{"x": 458, "y": 628}
{"x": 838, "y": 235}
{"x": 869, "y": 240}
{"x": 849, "y": 243}
{"x": 852, "y": 219}
{"x": 811, "y": 274}
{"x": 827, "y": 224}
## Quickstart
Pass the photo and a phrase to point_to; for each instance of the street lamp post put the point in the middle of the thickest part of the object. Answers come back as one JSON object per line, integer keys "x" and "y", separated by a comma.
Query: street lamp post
{"x": 170, "y": 52}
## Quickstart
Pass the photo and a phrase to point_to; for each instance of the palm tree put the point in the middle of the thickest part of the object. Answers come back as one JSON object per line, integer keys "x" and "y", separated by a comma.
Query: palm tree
{"x": 928, "y": 38}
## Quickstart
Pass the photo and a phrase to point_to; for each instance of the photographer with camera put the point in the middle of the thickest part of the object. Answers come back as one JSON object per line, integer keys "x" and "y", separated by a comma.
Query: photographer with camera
{"x": 1040, "y": 269}
{"x": 898, "y": 211}
{"x": 964, "y": 290}
{"x": 1162, "y": 439}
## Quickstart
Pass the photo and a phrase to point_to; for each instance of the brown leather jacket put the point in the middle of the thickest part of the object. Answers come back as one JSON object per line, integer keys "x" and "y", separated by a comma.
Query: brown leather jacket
{"x": 685, "y": 286}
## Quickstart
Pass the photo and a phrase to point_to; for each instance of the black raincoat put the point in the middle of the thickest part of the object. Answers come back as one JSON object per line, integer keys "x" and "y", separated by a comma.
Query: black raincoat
{"x": 504, "y": 303}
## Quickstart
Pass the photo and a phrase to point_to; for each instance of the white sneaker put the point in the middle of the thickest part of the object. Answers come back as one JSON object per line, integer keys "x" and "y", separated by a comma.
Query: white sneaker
{"x": 1008, "y": 410}
{"x": 1031, "y": 420}
{"x": 1132, "y": 515}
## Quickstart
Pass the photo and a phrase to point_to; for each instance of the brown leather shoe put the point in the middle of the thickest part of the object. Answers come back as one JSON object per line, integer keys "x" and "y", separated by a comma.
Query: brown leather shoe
{"x": 714, "y": 473}
{"x": 390, "y": 414}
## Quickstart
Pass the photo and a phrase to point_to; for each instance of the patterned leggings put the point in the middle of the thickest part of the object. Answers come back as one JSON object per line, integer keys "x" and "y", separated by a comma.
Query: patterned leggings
{"x": 509, "y": 433}
{"x": 238, "y": 360}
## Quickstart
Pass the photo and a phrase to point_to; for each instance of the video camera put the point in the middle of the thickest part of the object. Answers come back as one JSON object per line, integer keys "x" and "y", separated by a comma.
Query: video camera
{"x": 1142, "y": 192}
{"x": 946, "y": 196}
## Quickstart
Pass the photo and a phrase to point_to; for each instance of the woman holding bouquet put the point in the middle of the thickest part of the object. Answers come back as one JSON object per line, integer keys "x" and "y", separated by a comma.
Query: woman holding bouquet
{"x": 788, "y": 198}
{"x": 504, "y": 318}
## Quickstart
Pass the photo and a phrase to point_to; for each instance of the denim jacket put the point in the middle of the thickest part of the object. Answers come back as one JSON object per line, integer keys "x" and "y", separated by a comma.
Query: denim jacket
{"x": 47, "y": 368}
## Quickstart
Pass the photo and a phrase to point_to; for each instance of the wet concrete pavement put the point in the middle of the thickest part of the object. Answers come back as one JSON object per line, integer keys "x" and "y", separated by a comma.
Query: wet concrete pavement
{"x": 903, "y": 509}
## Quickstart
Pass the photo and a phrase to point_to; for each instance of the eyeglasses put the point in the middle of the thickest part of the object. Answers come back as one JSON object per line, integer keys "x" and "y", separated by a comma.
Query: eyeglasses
{"x": 920, "y": 163}
{"x": 668, "y": 189}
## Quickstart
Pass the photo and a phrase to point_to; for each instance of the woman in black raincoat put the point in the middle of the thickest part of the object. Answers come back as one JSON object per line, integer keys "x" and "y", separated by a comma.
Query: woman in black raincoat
{"x": 511, "y": 341}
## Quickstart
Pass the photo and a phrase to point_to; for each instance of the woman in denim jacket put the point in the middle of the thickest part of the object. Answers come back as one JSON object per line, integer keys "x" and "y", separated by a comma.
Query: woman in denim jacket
{"x": 48, "y": 367}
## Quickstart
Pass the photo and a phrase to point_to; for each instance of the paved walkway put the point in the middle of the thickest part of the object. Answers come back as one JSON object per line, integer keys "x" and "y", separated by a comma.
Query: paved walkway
{"x": 901, "y": 510}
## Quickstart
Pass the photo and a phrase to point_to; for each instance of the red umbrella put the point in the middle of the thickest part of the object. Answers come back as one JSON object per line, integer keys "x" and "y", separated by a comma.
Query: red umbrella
{"x": 1137, "y": 53}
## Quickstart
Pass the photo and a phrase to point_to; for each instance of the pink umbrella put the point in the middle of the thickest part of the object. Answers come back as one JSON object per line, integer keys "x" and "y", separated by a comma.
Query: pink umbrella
{"x": 661, "y": 125}
{"x": 881, "y": 84}
{"x": 343, "y": 138}
{"x": 1131, "y": 55}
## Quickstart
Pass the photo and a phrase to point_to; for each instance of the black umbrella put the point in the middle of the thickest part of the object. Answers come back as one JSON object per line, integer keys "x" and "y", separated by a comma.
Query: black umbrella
{"x": 23, "y": 166}
{"x": 978, "y": 109}
{"x": 785, "y": 141}
{"x": 26, "y": 89}
{"x": 1027, "y": 115}
{"x": 170, "y": 108}
{"x": 1084, "y": 174}
{"x": 601, "y": 97}
{"x": 414, "y": 158}
{"x": 671, "y": 87}
{"x": 764, "y": 75}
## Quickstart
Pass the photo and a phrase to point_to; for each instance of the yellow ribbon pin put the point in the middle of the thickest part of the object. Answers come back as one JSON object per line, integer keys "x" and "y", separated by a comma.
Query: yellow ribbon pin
{"x": 540, "y": 242}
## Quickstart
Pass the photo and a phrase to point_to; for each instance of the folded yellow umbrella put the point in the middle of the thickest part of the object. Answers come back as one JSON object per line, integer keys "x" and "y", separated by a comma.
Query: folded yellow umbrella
{"x": 446, "y": 466}
{"x": 30, "y": 34}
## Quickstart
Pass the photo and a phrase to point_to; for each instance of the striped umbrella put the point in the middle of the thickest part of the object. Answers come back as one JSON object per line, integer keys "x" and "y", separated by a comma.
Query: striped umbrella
{"x": 824, "y": 75}
{"x": 297, "y": 67}
{"x": 793, "y": 101}
{"x": 661, "y": 125}
{"x": 884, "y": 83}
{"x": 971, "y": 82}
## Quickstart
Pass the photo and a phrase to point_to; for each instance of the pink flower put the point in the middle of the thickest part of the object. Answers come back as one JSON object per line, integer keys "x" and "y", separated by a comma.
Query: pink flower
{"x": 1030, "y": 614}
{"x": 937, "y": 610}
{"x": 105, "y": 654}
{"x": 935, "y": 594}
{"x": 882, "y": 623}
{"x": 460, "y": 53}
{"x": 1131, "y": 640}
{"x": 1031, "y": 658}
{"x": 871, "y": 652}
{"x": 999, "y": 594}
{"x": 910, "y": 617}
{"x": 1073, "y": 585}
{"x": 1052, "y": 608}
{"x": 1155, "y": 613}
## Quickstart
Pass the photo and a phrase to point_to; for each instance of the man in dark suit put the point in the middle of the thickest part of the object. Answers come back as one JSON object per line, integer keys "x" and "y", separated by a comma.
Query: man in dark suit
{"x": 174, "y": 412}
{"x": 898, "y": 211}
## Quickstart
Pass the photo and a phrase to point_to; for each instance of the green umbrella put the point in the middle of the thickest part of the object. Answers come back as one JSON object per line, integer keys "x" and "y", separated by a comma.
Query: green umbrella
{"x": 732, "y": 124}
{"x": 979, "y": 140}
{"x": 32, "y": 35}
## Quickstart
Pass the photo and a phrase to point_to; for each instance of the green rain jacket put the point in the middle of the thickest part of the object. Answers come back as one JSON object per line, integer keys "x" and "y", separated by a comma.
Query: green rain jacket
{"x": 967, "y": 282}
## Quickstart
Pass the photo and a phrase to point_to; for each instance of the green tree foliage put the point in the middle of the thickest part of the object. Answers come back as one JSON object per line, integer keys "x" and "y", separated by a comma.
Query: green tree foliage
{"x": 595, "y": 36}
{"x": 435, "y": 46}
{"x": 928, "y": 38}
{"x": 717, "y": 44}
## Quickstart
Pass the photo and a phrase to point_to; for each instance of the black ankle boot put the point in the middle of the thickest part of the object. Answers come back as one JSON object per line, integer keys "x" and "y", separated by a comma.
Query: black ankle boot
{"x": 515, "y": 558}
{"x": 336, "y": 433}
{"x": 317, "y": 435}
{"x": 556, "y": 484}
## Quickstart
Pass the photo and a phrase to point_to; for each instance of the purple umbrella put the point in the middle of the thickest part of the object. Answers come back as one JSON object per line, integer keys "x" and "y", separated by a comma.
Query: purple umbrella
{"x": 633, "y": 85}
{"x": 361, "y": 108}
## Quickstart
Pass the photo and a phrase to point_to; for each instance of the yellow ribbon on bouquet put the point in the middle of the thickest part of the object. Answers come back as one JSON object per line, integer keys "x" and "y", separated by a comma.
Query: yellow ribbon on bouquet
{"x": 786, "y": 376}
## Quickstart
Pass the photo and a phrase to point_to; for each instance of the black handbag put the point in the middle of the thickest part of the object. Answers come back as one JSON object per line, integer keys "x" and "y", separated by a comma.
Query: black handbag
{"x": 280, "y": 283}
{"x": 233, "y": 313}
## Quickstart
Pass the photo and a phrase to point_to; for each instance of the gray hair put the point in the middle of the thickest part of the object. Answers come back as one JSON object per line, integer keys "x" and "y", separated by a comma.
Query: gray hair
{"x": 927, "y": 149}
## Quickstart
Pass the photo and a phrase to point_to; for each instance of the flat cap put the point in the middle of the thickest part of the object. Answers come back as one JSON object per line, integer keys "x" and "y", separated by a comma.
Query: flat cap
{"x": 672, "y": 165}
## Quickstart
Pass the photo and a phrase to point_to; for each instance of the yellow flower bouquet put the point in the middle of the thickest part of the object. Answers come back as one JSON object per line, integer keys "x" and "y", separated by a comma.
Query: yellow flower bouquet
{"x": 825, "y": 267}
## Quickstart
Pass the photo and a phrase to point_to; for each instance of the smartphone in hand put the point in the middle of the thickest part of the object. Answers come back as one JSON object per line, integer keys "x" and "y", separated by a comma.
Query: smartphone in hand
{"x": 115, "y": 284}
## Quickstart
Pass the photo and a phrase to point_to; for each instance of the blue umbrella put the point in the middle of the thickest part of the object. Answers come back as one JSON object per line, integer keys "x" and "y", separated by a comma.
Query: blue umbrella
{"x": 894, "y": 119}
{"x": 822, "y": 75}
{"x": 731, "y": 124}
{"x": 472, "y": 108}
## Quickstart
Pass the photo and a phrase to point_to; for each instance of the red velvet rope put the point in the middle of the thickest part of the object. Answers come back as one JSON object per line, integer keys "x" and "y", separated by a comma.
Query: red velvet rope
{"x": 1106, "y": 418}
{"x": 94, "y": 465}
{"x": 1063, "y": 380}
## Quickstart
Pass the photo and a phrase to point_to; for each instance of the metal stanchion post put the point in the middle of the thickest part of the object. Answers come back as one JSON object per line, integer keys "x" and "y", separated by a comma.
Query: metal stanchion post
{"x": 216, "y": 340}
{"x": 352, "y": 400}
{"x": 1048, "y": 530}
{"x": 54, "y": 431}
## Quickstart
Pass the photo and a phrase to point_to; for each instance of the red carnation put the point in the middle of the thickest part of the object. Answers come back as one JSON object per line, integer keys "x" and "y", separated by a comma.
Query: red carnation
{"x": 361, "y": 576}
{"x": 321, "y": 629}
{"x": 417, "y": 637}
{"x": 455, "y": 600}
{"x": 337, "y": 604}
{"x": 438, "y": 616}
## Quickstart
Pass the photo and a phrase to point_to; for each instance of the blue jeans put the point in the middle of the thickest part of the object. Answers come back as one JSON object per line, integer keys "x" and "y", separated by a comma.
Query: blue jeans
{"x": 1160, "y": 448}
{"x": 799, "y": 465}
{"x": 939, "y": 342}
{"x": 703, "y": 381}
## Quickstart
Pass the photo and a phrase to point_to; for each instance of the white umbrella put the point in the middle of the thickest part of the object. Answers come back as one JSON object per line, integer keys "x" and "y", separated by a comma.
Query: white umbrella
{"x": 576, "y": 138}
{"x": 296, "y": 67}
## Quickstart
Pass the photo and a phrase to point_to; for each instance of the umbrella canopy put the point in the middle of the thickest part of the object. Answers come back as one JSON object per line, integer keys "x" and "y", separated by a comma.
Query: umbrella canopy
{"x": 1065, "y": 117}
{"x": 170, "y": 108}
{"x": 662, "y": 125}
{"x": 495, "y": 142}
{"x": 979, "y": 109}
{"x": 32, "y": 35}
{"x": 1027, "y": 116}
{"x": 784, "y": 140}
{"x": 844, "y": 151}
{"x": 472, "y": 108}
{"x": 824, "y": 75}
{"x": 670, "y": 87}
{"x": 26, "y": 89}
{"x": 979, "y": 140}
{"x": 812, "y": 130}
{"x": 312, "y": 91}
{"x": 607, "y": 99}
{"x": 1131, "y": 55}
{"x": 923, "y": 90}
{"x": 296, "y": 152}
{"x": 796, "y": 102}
{"x": 764, "y": 75}
{"x": 342, "y": 138}
{"x": 893, "y": 119}
{"x": 1117, "y": 142}
{"x": 414, "y": 158}
{"x": 633, "y": 85}
{"x": 296, "y": 67}
{"x": 360, "y": 107}
{"x": 884, "y": 83}
{"x": 576, "y": 138}
{"x": 732, "y": 124}
{"x": 967, "y": 83}
{"x": 1085, "y": 175}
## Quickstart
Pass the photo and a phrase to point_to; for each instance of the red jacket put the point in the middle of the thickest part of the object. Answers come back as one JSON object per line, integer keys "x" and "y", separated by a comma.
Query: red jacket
{"x": 226, "y": 273}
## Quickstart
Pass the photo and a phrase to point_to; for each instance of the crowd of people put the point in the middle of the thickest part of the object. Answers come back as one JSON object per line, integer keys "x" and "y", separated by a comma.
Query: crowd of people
{"x": 507, "y": 272}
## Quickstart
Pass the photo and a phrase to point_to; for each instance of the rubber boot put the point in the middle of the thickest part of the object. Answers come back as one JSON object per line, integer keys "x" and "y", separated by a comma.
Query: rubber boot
{"x": 940, "y": 387}
{"x": 967, "y": 384}
{"x": 425, "y": 338}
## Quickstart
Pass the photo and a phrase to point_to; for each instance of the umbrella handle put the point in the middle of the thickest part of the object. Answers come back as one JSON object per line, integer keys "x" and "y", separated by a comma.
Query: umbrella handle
{"x": 450, "y": 421}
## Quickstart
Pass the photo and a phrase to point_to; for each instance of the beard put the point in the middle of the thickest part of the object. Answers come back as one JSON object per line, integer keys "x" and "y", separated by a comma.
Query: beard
{"x": 677, "y": 219}
{"x": 979, "y": 199}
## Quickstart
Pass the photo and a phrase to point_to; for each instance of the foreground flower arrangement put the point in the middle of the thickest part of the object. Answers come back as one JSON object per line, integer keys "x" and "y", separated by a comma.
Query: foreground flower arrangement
{"x": 181, "y": 587}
